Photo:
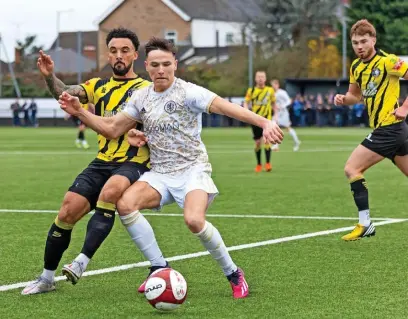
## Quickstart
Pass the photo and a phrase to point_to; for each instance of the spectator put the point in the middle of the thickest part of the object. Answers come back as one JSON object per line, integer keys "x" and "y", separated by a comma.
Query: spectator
{"x": 33, "y": 108}
{"x": 15, "y": 108}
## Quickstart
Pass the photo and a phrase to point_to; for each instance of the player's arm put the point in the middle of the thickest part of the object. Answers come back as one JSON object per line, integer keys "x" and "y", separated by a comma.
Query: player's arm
{"x": 353, "y": 96}
{"x": 46, "y": 66}
{"x": 110, "y": 127}
{"x": 56, "y": 87}
{"x": 247, "y": 98}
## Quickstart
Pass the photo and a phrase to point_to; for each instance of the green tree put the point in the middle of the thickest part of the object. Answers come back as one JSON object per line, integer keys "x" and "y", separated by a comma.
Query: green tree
{"x": 27, "y": 47}
{"x": 389, "y": 18}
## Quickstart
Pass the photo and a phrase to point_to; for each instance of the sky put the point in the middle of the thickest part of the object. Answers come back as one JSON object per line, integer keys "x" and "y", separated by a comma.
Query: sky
{"x": 19, "y": 18}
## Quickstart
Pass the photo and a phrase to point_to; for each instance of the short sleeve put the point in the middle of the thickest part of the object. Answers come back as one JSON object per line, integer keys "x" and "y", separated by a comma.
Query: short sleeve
{"x": 199, "y": 99}
{"x": 273, "y": 95}
{"x": 248, "y": 95}
{"x": 352, "y": 78}
{"x": 89, "y": 87}
{"x": 395, "y": 65}
{"x": 132, "y": 109}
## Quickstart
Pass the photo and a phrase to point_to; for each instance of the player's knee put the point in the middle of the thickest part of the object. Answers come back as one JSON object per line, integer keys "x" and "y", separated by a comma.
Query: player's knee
{"x": 350, "y": 171}
{"x": 110, "y": 194}
{"x": 125, "y": 205}
{"x": 68, "y": 213}
{"x": 194, "y": 223}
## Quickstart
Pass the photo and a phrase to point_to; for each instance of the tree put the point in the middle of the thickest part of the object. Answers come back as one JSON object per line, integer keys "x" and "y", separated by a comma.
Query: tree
{"x": 27, "y": 47}
{"x": 388, "y": 17}
{"x": 291, "y": 22}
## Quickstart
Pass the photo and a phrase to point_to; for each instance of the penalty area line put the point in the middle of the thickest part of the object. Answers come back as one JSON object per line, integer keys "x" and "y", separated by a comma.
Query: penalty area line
{"x": 204, "y": 253}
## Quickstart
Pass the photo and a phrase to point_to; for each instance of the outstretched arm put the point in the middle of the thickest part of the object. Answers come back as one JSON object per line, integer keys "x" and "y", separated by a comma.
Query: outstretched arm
{"x": 272, "y": 132}
{"x": 110, "y": 127}
{"x": 353, "y": 96}
{"x": 46, "y": 66}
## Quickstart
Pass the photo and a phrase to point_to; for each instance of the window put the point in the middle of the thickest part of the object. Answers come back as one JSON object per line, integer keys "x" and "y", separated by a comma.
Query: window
{"x": 171, "y": 35}
{"x": 229, "y": 38}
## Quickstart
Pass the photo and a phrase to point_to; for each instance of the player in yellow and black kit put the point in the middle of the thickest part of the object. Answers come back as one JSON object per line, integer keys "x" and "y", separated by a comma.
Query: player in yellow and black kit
{"x": 261, "y": 99}
{"x": 102, "y": 183}
{"x": 374, "y": 77}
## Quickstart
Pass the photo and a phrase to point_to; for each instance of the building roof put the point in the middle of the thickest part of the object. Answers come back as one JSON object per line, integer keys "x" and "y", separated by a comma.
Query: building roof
{"x": 219, "y": 10}
{"x": 69, "y": 62}
{"x": 68, "y": 40}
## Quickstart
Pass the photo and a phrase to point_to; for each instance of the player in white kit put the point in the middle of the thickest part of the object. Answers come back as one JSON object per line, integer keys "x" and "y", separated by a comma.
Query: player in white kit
{"x": 282, "y": 117}
{"x": 170, "y": 111}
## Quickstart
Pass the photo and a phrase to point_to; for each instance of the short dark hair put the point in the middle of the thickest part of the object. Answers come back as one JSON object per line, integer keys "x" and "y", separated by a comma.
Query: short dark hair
{"x": 123, "y": 33}
{"x": 160, "y": 44}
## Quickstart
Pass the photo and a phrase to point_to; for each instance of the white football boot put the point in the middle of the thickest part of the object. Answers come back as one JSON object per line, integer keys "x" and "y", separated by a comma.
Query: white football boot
{"x": 40, "y": 285}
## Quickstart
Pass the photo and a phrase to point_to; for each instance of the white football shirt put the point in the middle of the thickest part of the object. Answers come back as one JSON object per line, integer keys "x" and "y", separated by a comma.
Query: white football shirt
{"x": 172, "y": 123}
{"x": 282, "y": 99}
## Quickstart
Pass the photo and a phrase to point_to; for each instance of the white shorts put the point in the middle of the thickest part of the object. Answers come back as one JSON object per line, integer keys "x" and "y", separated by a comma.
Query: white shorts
{"x": 175, "y": 188}
{"x": 283, "y": 118}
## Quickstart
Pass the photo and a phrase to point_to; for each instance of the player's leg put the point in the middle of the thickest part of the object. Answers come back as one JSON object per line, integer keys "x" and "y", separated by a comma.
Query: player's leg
{"x": 359, "y": 161}
{"x": 257, "y": 135}
{"x": 295, "y": 138}
{"x": 142, "y": 196}
{"x": 199, "y": 192}
{"x": 268, "y": 165}
{"x": 81, "y": 136}
{"x": 78, "y": 201}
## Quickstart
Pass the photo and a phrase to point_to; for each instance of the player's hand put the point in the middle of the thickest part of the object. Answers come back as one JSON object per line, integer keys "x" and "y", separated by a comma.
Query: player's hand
{"x": 400, "y": 113}
{"x": 339, "y": 99}
{"x": 45, "y": 64}
{"x": 137, "y": 138}
{"x": 272, "y": 134}
{"x": 69, "y": 103}
{"x": 91, "y": 108}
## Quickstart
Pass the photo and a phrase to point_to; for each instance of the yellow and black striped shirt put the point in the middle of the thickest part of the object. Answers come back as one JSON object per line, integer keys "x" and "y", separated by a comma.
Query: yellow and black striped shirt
{"x": 378, "y": 80}
{"x": 109, "y": 97}
{"x": 261, "y": 100}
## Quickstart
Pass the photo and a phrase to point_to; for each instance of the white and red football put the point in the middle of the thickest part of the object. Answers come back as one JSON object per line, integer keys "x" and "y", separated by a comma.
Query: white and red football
{"x": 166, "y": 289}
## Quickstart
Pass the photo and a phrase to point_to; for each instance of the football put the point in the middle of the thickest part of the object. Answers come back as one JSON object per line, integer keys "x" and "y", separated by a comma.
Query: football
{"x": 166, "y": 289}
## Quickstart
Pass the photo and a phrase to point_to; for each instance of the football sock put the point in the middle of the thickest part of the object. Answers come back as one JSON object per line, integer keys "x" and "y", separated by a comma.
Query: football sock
{"x": 212, "y": 241}
{"x": 258, "y": 155}
{"x": 292, "y": 132}
{"x": 359, "y": 190}
{"x": 268, "y": 153}
{"x": 58, "y": 239}
{"x": 99, "y": 227}
{"x": 142, "y": 235}
{"x": 81, "y": 135}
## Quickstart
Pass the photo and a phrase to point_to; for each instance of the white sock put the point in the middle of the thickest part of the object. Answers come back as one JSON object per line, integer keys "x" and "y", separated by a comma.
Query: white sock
{"x": 292, "y": 133}
{"x": 48, "y": 274}
{"x": 82, "y": 259}
{"x": 364, "y": 217}
{"x": 211, "y": 239}
{"x": 142, "y": 235}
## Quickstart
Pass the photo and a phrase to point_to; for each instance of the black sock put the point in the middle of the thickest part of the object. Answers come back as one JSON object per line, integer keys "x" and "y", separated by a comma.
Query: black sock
{"x": 360, "y": 193}
{"x": 58, "y": 240}
{"x": 81, "y": 135}
{"x": 258, "y": 155}
{"x": 268, "y": 153}
{"x": 99, "y": 227}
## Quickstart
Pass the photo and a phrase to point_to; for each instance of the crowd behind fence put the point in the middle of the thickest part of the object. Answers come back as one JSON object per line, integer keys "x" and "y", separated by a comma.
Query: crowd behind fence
{"x": 305, "y": 110}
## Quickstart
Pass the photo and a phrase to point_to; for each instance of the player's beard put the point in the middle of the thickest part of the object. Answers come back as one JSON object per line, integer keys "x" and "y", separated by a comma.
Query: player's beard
{"x": 121, "y": 71}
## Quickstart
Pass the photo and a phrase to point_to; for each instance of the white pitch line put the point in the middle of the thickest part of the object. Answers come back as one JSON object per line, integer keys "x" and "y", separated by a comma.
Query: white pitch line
{"x": 213, "y": 215}
{"x": 204, "y": 253}
{"x": 56, "y": 153}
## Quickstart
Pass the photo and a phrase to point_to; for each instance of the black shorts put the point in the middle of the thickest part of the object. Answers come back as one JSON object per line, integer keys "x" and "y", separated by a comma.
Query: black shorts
{"x": 388, "y": 141}
{"x": 77, "y": 121}
{"x": 92, "y": 179}
{"x": 257, "y": 132}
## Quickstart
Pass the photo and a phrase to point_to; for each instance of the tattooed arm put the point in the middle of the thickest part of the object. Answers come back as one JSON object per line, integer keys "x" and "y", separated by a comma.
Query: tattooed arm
{"x": 56, "y": 87}
{"x": 46, "y": 66}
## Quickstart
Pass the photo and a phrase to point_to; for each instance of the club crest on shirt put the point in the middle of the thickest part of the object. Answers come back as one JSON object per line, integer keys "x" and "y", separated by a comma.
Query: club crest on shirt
{"x": 130, "y": 92}
{"x": 170, "y": 107}
{"x": 375, "y": 72}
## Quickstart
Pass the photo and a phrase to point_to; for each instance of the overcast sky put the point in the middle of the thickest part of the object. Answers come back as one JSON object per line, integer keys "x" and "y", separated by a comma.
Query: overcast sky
{"x": 19, "y": 18}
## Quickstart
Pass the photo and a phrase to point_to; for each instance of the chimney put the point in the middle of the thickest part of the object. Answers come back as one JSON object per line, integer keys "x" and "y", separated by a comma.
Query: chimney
{"x": 17, "y": 56}
{"x": 89, "y": 51}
